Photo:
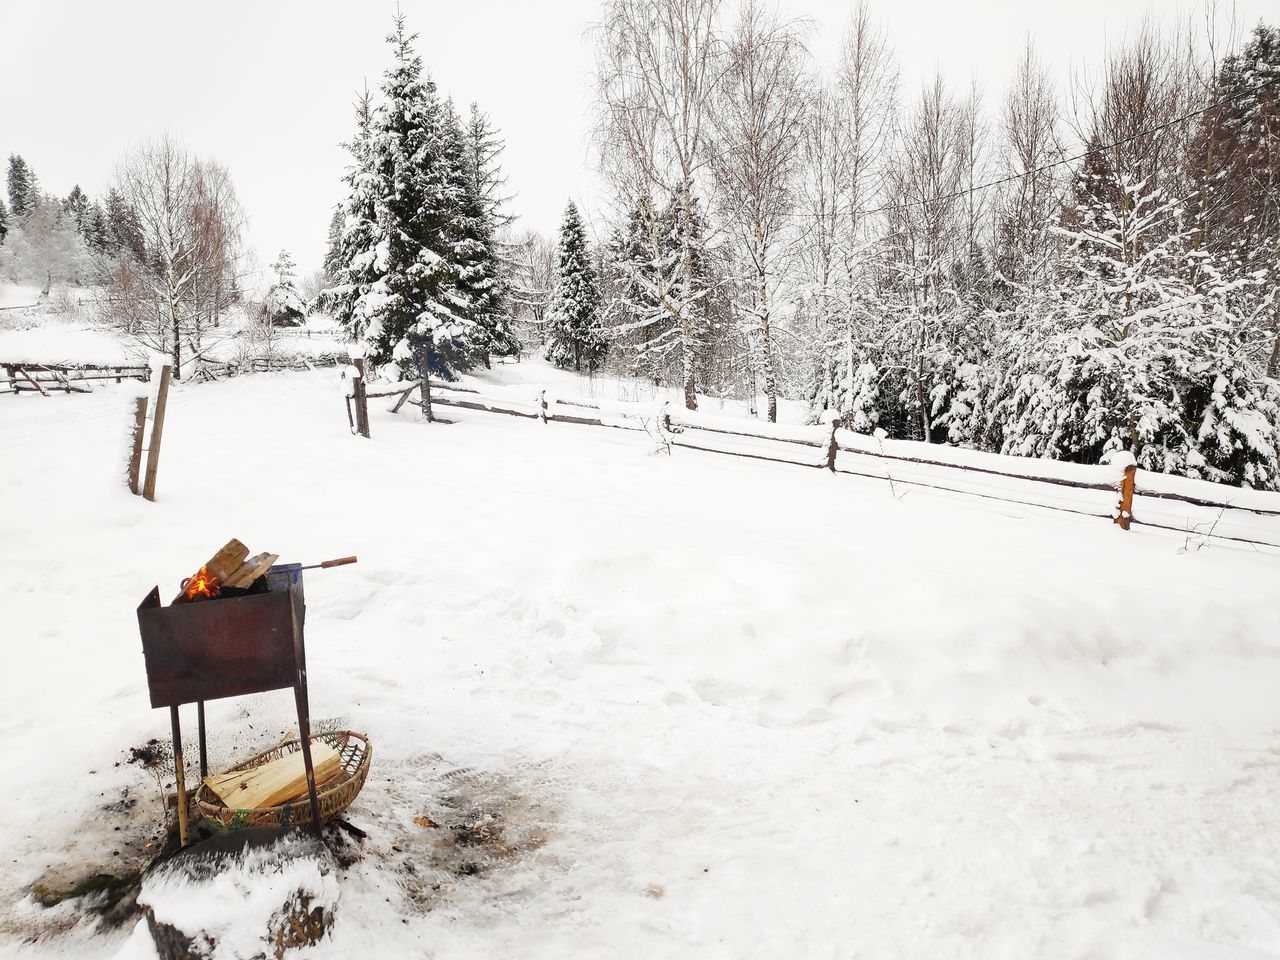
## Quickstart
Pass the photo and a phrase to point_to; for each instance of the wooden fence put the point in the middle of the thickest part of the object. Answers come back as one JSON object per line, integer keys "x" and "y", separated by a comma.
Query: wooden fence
{"x": 1117, "y": 492}
{"x": 48, "y": 378}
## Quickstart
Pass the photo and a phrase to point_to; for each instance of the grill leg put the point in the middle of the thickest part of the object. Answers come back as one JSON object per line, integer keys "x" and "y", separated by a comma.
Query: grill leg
{"x": 204, "y": 754}
{"x": 181, "y": 774}
{"x": 304, "y": 729}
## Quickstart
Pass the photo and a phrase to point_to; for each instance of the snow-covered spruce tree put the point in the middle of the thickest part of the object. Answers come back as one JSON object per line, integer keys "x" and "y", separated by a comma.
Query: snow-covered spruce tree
{"x": 481, "y": 275}
{"x": 639, "y": 329}
{"x": 4, "y": 220}
{"x": 77, "y": 207}
{"x": 1236, "y": 158}
{"x": 422, "y": 321}
{"x": 24, "y": 188}
{"x": 283, "y": 303}
{"x": 1237, "y": 417}
{"x": 124, "y": 232}
{"x": 575, "y": 334}
{"x": 333, "y": 246}
{"x": 357, "y": 263}
{"x": 94, "y": 230}
{"x": 1112, "y": 376}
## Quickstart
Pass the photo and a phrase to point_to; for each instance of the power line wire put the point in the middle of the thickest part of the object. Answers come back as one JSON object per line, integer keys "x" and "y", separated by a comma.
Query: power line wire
{"x": 955, "y": 195}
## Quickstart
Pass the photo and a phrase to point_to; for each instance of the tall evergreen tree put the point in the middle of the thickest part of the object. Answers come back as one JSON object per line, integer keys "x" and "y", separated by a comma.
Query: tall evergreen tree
{"x": 93, "y": 229}
{"x": 283, "y": 303}
{"x": 416, "y": 158}
{"x": 481, "y": 277}
{"x": 77, "y": 207}
{"x": 24, "y": 189}
{"x": 123, "y": 232}
{"x": 576, "y": 335}
{"x": 359, "y": 262}
{"x": 333, "y": 246}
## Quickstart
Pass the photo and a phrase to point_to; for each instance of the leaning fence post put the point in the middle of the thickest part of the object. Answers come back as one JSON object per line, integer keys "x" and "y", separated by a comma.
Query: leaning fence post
{"x": 1124, "y": 510}
{"x": 135, "y": 457}
{"x": 832, "y": 446}
{"x": 542, "y": 405}
{"x": 362, "y": 400}
{"x": 157, "y": 434}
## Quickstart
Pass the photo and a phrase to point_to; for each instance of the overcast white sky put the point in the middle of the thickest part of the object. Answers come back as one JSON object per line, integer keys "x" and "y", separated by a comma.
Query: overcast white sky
{"x": 266, "y": 86}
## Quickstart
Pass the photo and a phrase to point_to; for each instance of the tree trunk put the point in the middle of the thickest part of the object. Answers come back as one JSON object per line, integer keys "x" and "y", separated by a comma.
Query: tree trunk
{"x": 1273, "y": 363}
{"x": 766, "y": 366}
{"x": 921, "y": 397}
{"x": 686, "y": 323}
{"x": 176, "y": 328}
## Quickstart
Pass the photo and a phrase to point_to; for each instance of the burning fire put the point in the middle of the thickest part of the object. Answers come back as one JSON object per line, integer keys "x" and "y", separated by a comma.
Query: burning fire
{"x": 200, "y": 587}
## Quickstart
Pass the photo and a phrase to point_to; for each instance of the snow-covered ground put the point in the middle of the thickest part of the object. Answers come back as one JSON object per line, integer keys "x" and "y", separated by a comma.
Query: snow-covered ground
{"x": 659, "y": 706}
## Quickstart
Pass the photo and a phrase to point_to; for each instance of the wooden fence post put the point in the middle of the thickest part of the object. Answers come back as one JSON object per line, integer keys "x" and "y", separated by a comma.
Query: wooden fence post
{"x": 832, "y": 446}
{"x": 135, "y": 458}
{"x": 157, "y": 434}
{"x": 424, "y": 386}
{"x": 1124, "y": 511}
{"x": 542, "y": 405}
{"x": 362, "y": 401}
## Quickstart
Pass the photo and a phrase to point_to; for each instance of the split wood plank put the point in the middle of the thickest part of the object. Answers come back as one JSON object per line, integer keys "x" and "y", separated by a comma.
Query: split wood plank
{"x": 279, "y": 781}
{"x": 251, "y": 570}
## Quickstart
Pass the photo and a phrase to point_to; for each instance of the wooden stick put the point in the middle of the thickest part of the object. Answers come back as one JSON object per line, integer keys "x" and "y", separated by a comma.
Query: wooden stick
{"x": 326, "y": 564}
{"x": 26, "y": 376}
{"x": 157, "y": 433}
{"x": 139, "y": 428}
{"x": 832, "y": 445}
{"x": 403, "y": 397}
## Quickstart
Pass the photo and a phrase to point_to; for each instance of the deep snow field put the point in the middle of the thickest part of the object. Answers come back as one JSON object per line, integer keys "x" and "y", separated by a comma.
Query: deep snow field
{"x": 685, "y": 705}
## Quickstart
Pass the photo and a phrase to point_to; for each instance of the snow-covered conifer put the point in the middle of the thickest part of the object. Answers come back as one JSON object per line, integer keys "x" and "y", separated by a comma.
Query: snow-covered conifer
{"x": 124, "y": 233}
{"x": 482, "y": 278}
{"x": 24, "y": 188}
{"x": 283, "y": 303}
{"x": 76, "y": 206}
{"x": 576, "y": 337}
{"x": 359, "y": 261}
{"x": 415, "y": 161}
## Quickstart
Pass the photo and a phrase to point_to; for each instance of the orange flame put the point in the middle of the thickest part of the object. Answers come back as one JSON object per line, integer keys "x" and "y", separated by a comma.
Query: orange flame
{"x": 200, "y": 587}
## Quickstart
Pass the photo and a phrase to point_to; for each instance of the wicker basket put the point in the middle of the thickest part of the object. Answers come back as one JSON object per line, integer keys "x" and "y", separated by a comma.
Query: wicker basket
{"x": 333, "y": 797}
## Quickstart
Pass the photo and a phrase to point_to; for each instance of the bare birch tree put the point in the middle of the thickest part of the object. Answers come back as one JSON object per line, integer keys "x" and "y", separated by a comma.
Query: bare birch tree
{"x": 847, "y": 143}
{"x": 760, "y": 114}
{"x": 1031, "y": 143}
{"x": 656, "y": 76}
{"x": 190, "y": 225}
{"x": 927, "y": 228}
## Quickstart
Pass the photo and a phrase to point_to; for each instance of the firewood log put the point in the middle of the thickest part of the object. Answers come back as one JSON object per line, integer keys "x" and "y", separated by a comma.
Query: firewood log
{"x": 226, "y": 561}
{"x": 279, "y": 781}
